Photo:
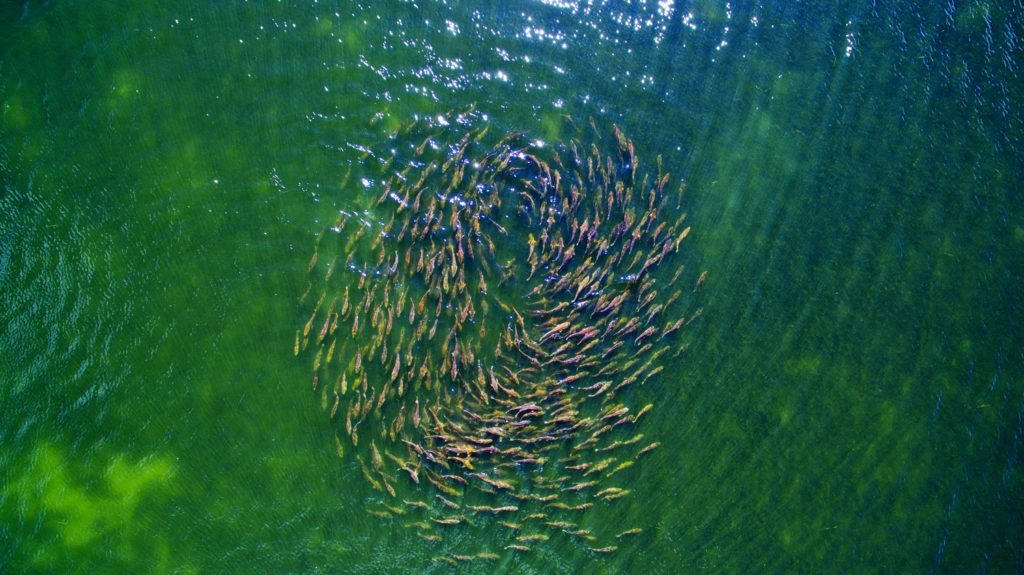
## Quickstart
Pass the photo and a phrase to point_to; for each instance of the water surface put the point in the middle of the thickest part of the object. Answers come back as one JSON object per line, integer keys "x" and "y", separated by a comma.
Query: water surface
{"x": 852, "y": 398}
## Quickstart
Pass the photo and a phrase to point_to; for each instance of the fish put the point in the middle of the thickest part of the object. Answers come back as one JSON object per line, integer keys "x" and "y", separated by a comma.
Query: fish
{"x": 312, "y": 261}
{"x": 581, "y": 486}
{"x": 600, "y": 466}
{"x": 447, "y": 502}
{"x": 448, "y": 490}
{"x": 620, "y": 467}
{"x": 395, "y": 510}
{"x": 603, "y": 386}
{"x": 650, "y": 447}
{"x": 495, "y": 510}
{"x": 615, "y": 494}
{"x": 555, "y": 330}
{"x": 515, "y": 547}
{"x": 397, "y": 366}
{"x": 645, "y": 334}
{"x": 369, "y": 477}
{"x": 302, "y": 298}
{"x": 671, "y": 327}
{"x": 609, "y": 491}
{"x": 583, "y": 533}
{"x": 413, "y": 473}
{"x": 652, "y": 373}
{"x": 330, "y": 353}
{"x": 375, "y": 458}
{"x": 455, "y": 520}
{"x": 642, "y": 411}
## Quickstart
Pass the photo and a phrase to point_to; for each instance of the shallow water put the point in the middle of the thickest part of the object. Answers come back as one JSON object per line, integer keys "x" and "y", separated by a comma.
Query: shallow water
{"x": 852, "y": 398}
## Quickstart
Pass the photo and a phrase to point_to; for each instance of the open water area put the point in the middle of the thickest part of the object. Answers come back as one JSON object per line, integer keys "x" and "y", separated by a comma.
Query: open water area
{"x": 849, "y": 400}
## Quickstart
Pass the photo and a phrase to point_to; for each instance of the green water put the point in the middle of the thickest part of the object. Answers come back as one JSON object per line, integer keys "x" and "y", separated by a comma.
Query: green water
{"x": 853, "y": 395}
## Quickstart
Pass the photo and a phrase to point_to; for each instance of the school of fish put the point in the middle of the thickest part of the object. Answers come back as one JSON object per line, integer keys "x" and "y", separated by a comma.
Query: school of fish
{"x": 477, "y": 332}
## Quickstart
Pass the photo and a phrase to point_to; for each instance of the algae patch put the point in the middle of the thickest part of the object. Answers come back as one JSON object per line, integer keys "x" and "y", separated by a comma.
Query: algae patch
{"x": 83, "y": 512}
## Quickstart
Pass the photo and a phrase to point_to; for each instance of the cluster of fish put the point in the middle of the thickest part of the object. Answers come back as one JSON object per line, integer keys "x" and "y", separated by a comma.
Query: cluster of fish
{"x": 479, "y": 329}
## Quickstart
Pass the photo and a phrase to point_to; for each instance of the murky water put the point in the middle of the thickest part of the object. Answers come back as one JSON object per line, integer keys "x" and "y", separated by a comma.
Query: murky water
{"x": 852, "y": 396}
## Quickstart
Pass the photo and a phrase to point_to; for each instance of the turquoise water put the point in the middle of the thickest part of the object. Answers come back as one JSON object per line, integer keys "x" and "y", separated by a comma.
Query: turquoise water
{"x": 852, "y": 397}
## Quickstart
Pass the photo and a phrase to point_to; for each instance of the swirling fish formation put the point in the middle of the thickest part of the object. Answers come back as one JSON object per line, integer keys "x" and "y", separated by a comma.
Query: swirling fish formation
{"x": 478, "y": 331}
